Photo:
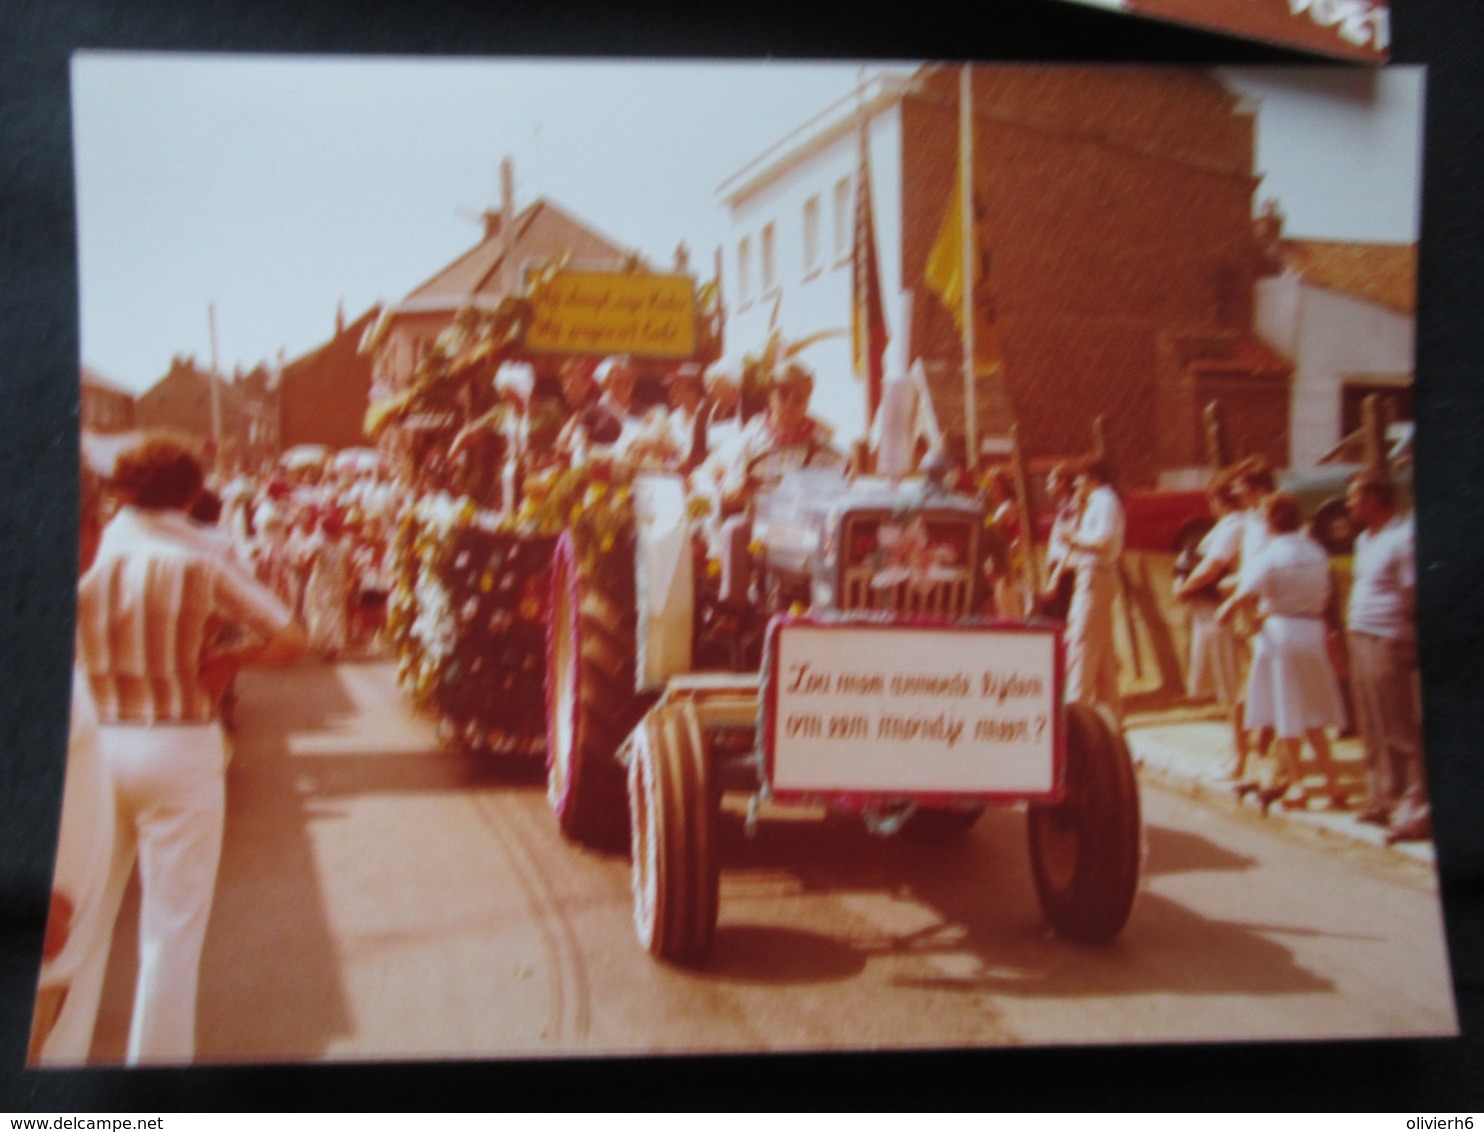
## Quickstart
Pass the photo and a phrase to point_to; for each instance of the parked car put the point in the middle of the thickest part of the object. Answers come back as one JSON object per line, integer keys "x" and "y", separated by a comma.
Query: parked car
{"x": 1320, "y": 490}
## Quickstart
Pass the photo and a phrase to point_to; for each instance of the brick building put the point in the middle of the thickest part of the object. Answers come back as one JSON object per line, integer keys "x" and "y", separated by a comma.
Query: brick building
{"x": 322, "y": 395}
{"x": 181, "y": 402}
{"x": 1115, "y": 208}
{"x": 513, "y": 242}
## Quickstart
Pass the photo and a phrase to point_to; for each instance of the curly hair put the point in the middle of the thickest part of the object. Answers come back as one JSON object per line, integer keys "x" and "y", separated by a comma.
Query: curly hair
{"x": 158, "y": 473}
{"x": 1257, "y": 474}
{"x": 1284, "y": 513}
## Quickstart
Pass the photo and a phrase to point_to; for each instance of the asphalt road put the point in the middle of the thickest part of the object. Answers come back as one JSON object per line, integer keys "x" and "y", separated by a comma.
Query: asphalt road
{"x": 381, "y": 898}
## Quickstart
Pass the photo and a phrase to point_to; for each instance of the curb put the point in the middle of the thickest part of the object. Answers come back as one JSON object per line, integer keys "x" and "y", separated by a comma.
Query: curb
{"x": 1159, "y": 756}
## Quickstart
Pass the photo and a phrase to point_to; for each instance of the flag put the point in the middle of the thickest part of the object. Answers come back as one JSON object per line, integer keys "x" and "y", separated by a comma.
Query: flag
{"x": 867, "y": 314}
{"x": 944, "y": 275}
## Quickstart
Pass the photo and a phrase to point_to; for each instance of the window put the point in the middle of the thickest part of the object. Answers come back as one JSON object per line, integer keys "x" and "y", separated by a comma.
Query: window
{"x": 844, "y": 219}
{"x": 811, "y": 235}
{"x": 744, "y": 270}
{"x": 769, "y": 264}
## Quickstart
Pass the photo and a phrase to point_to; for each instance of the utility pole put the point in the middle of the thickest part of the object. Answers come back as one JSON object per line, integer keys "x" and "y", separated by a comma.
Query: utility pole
{"x": 970, "y": 252}
{"x": 214, "y": 383}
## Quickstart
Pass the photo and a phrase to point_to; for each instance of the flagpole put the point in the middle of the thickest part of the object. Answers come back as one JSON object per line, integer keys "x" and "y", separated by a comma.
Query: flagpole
{"x": 966, "y": 220}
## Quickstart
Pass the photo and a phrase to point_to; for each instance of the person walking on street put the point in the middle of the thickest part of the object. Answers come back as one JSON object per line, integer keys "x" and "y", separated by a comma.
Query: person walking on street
{"x": 1382, "y": 636}
{"x": 328, "y": 587}
{"x": 149, "y": 620}
{"x": 1093, "y": 552}
{"x": 62, "y": 1026}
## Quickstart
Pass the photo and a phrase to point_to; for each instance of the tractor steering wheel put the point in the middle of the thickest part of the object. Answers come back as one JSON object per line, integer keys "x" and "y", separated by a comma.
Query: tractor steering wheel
{"x": 767, "y": 468}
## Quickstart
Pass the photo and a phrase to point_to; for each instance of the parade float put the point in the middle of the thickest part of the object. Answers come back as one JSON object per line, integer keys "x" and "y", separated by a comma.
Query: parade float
{"x": 476, "y": 432}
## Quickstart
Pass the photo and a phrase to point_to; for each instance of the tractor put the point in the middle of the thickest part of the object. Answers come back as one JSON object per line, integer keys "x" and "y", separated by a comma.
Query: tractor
{"x": 862, "y": 675}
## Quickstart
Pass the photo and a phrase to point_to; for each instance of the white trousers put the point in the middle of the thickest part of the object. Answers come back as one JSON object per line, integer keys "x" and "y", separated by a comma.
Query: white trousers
{"x": 1092, "y": 660}
{"x": 170, "y": 793}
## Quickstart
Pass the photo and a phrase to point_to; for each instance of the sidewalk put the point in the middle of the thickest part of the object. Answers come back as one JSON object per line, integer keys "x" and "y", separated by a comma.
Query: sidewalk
{"x": 1187, "y": 749}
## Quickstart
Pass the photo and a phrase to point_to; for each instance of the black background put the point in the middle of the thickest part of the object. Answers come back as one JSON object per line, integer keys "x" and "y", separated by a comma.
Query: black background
{"x": 38, "y": 407}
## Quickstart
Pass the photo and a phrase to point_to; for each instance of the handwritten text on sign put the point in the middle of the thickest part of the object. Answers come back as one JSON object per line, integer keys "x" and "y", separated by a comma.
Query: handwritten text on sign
{"x": 587, "y": 312}
{"x": 903, "y": 710}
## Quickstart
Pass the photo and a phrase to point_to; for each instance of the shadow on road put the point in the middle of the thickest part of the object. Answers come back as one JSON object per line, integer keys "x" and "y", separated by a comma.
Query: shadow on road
{"x": 270, "y": 977}
{"x": 993, "y": 930}
{"x": 1176, "y": 851}
{"x": 748, "y": 953}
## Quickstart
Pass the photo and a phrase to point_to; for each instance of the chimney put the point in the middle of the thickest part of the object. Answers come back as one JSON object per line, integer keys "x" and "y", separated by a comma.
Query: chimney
{"x": 339, "y": 318}
{"x": 507, "y": 220}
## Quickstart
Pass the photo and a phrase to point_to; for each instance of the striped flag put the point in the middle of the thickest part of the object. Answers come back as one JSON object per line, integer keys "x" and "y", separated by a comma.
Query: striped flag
{"x": 867, "y": 315}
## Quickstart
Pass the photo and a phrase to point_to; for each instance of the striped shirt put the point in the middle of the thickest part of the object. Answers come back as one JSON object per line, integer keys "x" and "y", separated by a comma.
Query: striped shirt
{"x": 149, "y": 612}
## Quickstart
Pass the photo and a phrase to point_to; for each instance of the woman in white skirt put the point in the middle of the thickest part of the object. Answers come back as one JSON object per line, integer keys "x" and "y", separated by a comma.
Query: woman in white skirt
{"x": 1292, "y": 687}
{"x": 1216, "y": 651}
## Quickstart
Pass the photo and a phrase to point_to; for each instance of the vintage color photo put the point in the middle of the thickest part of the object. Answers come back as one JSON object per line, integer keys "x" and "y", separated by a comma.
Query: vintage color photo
{"x": 646, "y": 557}
{"x": 1353, "y": 29}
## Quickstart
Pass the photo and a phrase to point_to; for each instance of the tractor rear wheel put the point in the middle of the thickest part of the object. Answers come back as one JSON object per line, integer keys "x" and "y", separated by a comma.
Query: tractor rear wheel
{"x": 591, "y": 704}
{"x": 1086, "y": 850}
{"x": 674, "y": 814}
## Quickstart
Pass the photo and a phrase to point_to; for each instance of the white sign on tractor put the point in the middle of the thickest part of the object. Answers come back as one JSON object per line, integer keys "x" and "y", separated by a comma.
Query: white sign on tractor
{"x": 913, "y": 710}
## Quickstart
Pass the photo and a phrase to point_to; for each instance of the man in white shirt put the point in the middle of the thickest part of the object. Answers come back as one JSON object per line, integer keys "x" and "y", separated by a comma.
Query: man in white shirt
{"x": 786, "y": 437}
{"x": 1093, "y": 552}
{"x": 1382, "y": 637}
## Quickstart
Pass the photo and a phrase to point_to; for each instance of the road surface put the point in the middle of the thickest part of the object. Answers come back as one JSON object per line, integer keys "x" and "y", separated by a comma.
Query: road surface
{"x": 382, "y": 898}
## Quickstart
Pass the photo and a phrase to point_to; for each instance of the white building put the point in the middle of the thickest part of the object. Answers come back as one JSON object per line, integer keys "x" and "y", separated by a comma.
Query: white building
{"x": 1344, "y": 314}
{"x": 787, "y": 262}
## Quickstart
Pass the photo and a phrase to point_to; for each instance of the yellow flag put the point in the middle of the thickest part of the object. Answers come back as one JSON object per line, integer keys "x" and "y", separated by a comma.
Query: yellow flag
{"x": 945, "y": 265}
{"x": 944, "y": 275}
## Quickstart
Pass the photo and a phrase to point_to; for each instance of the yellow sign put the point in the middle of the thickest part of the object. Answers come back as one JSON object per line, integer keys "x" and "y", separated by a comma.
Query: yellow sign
{"x": 590, "y": 312}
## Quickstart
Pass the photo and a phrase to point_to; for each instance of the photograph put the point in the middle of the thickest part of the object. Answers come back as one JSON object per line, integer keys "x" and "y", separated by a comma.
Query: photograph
{"x": 626, "y": 558}
{"x": 1349, "y": 29}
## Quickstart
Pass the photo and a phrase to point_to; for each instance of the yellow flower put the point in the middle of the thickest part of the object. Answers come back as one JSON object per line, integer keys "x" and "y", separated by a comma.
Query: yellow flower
{"x": 486, "y": 582}
{"x": 755, "y": 547}
{"x": 596, "y": 490}
{"x": 607, "y": 543}
{"x": 713, "y": 568}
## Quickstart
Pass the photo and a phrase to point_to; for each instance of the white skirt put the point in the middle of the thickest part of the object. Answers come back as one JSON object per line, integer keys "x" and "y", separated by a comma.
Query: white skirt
{"x": 1292, "y": 687}
{"x": 1215, "y": 657}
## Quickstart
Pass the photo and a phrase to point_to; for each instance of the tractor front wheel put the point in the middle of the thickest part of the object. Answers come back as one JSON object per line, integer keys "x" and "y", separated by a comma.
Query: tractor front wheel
{"x": 674, "y": 809}
{"x": 1086, "y": 850}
